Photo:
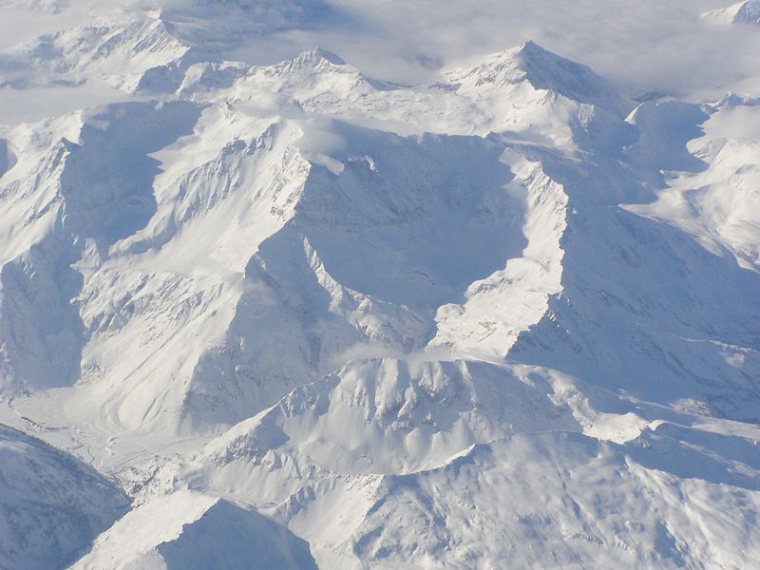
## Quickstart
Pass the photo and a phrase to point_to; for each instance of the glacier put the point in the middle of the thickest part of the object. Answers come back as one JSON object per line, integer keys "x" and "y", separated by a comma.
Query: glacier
{"x": 265, "y": 312}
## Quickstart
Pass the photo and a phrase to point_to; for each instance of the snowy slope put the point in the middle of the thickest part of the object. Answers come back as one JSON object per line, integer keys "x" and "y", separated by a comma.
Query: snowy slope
{"x": 186, "y": 531}
{"x": 52, "y": 505}
{"x": 562, "y": 493}
{"x": 716, "y": 204}
{"x": 312, "y": 319}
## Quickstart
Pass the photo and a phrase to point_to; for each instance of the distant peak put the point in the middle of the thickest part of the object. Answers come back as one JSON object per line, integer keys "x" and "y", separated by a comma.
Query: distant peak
{"x": 532, "y": 47}
{"x": 333, "y": 58}
{"x": 545, "y": 70}
{"x": 316, "y": 56}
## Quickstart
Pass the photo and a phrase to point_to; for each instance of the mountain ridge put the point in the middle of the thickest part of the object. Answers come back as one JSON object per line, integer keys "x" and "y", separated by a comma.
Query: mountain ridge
{"x": 282, "y": 301}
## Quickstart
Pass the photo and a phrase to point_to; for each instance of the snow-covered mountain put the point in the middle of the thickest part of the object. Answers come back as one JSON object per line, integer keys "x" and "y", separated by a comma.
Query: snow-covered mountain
{"x": 53, "y": 505}
{"x": 294, "y": 316}
{"x": 746, "y": 12}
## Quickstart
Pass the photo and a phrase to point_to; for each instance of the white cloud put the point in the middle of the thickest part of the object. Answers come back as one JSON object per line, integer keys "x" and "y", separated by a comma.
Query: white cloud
{"x": 649, "y": 45}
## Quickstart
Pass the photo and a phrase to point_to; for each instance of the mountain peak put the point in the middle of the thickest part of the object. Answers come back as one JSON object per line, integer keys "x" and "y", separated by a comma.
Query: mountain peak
{"x": 316, "y": 56}
{"x": 310, "y": 61}
{"x": 532, "y": 47}
{"x": 547, "y": 70}
{"x": 544, "y": 70}
{"x": 749, "y": 12}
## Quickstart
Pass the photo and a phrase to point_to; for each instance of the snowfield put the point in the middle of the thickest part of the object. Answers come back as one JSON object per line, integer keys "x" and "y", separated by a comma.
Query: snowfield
{"x": 263, "y": 308}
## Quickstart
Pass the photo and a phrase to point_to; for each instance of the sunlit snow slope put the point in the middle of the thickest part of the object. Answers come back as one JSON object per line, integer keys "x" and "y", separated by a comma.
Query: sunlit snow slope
{"x": 505, "y": 318}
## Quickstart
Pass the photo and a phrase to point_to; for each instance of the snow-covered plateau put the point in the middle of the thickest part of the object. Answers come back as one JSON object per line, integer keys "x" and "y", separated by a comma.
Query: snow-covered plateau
{"x": 380, "y": 304}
